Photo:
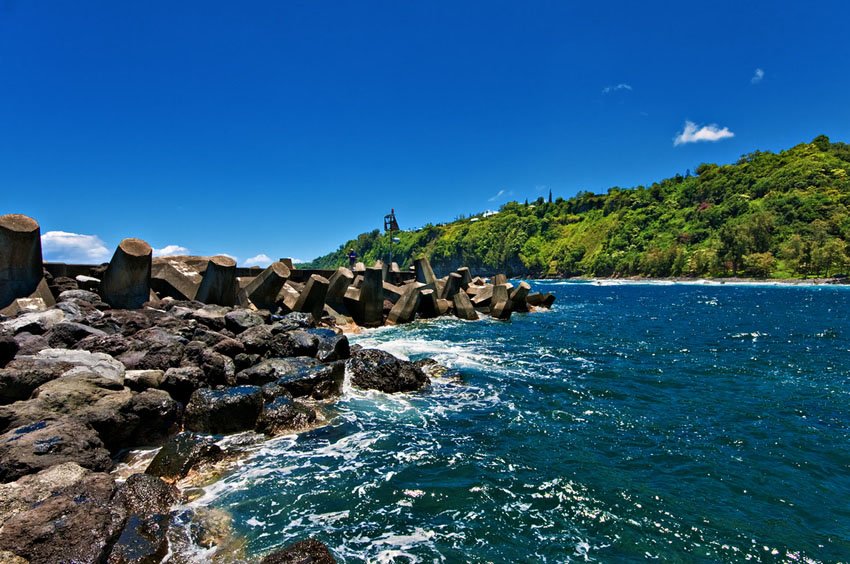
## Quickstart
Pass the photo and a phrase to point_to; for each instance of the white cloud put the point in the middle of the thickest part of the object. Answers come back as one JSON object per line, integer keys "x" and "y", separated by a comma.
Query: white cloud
{"x": 499, "y": 194}
{"x": 61, "y": 246}
{"x": 297, "y": 261}
{"x": 757, "y": 76}
{"x": 259, "y": 260}
{"x": 693, "y": 134}
{"x": 621, "y": 86}
{"x": 170, "y": 251}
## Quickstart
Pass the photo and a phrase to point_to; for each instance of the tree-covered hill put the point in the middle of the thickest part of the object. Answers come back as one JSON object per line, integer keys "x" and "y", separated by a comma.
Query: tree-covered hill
{"x": 780, "y": 215}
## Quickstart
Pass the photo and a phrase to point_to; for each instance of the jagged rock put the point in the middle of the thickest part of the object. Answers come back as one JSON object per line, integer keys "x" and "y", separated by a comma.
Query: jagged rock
{"x": 319, "y": 382}
{"x": 156, "y": 349}
{"x": 308, "y": 551}
{"x": 19, "y": 381}
{"x": 113, "y": 345}
{"x": 34, "y": 447}
{"x": 332, "y": 346}
{"x": 36, "y": 323}
{"x": 66, "y": 334}
{"x": 229, "y": 347}
{"x": 293, "y": 321}
{"x": 29, "y": 344}
{"x": 272, "y": 369}
{"x": 211, "y": 315}
{"x": 218, "y": 369}
{"x": 293, "y": 343}
{"x": 241, "y": 319}
{"x": 225, "y": 411}
{"x": 274, "y": 390}
{"x": 285, "y": 415}
{"x": 379, "y": 370}
{"x": 146, "y": 495}
{"x": 180, "y": 382}
{"x": 143, "y": 540}
{"x": 181, "y": 454}
{"x": 75, "y": 525}
{"x": 65, "y": 362}
{"x": 126, "y": 322}
{"x": 256, "y": 340}
{"x": 244, "y": 361}
{"x": 62, "y": 284}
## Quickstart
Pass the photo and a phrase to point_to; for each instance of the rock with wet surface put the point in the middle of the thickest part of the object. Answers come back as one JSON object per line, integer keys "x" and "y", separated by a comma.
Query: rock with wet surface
{"x": 219, "y": 412}
{"x": 284, "y": 415}
{"x": 183, "y": 453}
{"x": 310, "y": 551}
{"x": 379, "y": 370}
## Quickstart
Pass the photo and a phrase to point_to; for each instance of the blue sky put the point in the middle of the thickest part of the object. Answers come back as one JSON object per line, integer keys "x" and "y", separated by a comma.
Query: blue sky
{"x": 285, "y": 128}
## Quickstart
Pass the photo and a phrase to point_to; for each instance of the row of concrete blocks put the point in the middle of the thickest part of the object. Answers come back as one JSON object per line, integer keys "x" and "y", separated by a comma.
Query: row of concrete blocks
{"x": 133, "y": 278}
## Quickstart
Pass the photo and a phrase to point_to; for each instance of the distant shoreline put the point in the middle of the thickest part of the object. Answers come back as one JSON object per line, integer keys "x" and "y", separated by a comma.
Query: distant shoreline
{"x": 708, "y": 280}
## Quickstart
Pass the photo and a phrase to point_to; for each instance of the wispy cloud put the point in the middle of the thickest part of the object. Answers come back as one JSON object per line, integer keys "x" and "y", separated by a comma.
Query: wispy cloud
{"x": 260, "y": 260}
{"x": 61, "y": 246}
{"x": 692, "y": 133}
{"x": 621, "y": 86}
{"x": 170, "y": 251}
{"x": 500, "y": 194}
{"x": 758, "y": 76}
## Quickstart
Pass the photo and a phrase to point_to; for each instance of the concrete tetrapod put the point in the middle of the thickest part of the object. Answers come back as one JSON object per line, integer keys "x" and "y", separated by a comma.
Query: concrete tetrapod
{"x": 219, "y": 285}
{"x": 405, "y": 308}
{"x": 126, "y": 283}
{"x": 500, "y": 307}
{"x": 20, "y": 260}
{"x": 424, "y": 272}
{"x": 453, "y": 285}
{"x": 312, "y": 298}
{"x": 428, "y": 304}
{"x": 519, "y": 295}
{"x": 463, "y": 307}
{"x": 338, "y": 283}
{"x": 262, "y": 291}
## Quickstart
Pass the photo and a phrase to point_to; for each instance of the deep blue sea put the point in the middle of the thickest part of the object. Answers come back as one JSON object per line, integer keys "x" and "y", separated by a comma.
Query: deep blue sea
{"x": 681, "y": 423}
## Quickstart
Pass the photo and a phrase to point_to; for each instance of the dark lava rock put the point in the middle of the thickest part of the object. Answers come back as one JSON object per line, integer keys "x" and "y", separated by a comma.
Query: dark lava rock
{"x": 75, "y": 525}
{"x": 241, "y": 319}
{"x": 182, "y": 381}
{"x": 274, "y": 390}
{"x": 218, "y": 369}
{"x": 256, "y": 340}
{"x": 8, "y": 349}
{"x": 331, "y": 345}
{"x": 67, "y": 333}
{"x": 274, "y": 368}
{"x": 285, "y": 415}
{"x": 181, "y": 454}
{"x": 29, "y": 344}
{"x": 113, "y": 345}
{"x": 322, "y": 381}
{"x": 244, "y": 361}
{"x": 378, "y": 370}
{"x": 293, "y": 343}
{"x": 143, "y": 540}
{"x": 156, "y": 349}
{"x": 308, "y": 551}
{"x": 229, "y": 347}
{"x": 293, "y": 321}
{"x": 127, "y": 322}
{"x": 30, "y": 448}
{"x": 61, "y": 284}
{"x": 146, "y": 495}
{"x": 230, "y": 410}
{"x": 211, "y": 315}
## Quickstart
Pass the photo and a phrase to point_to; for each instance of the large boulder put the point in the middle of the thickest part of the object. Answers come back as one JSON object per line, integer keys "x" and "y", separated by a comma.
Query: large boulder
{"x": 114, "y": 345}
{"x": 300, "y": 376}
{"x": 270, "y": 370}
{"x": 241, "y": 319}
{"x": 146, "y": 495}
{"x": 64, "y": 362}
{"x": 143, "y": 540}
{"x": 293, "y": 343}
{"x": 156, "y": 349}
{"x": 257, "y": 339}
{"x": 219, "y": 412}
{"x": 183, "y": 453}
{"x": 332, "y": 346}
{"x": 284, "y": 415}
{"x": 310, "y": 551}
{"x": 67, "y": 333}
{"x": 31, "y": 448}
{"x": 8, "y": 349}
{"x": 293, "y": 321}
{"x": 218, "y": 368}
{"x": 211, "y": 315}
{"x": 77, "y": 524}
{"x": 182, "y": 381}
{"x": 379, "y": 370}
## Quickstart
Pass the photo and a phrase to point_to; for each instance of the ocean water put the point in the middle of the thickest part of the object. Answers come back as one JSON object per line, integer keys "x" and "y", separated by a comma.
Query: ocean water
{"x": 683, "y": 423}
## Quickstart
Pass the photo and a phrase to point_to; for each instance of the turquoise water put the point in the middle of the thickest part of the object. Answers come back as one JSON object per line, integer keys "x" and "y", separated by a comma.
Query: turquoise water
{"x": 689, "y": 423}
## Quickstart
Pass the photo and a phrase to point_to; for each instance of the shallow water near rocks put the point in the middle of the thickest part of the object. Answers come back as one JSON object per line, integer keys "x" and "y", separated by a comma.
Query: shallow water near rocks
{"x": 691, "y": 423}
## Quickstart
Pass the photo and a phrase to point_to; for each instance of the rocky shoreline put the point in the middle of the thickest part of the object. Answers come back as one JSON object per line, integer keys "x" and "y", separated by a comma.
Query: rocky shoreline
{"x": 91, "y": 368}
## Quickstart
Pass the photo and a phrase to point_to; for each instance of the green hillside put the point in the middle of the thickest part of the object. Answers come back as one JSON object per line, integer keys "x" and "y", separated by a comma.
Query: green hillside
{"x": 777, "y": 215}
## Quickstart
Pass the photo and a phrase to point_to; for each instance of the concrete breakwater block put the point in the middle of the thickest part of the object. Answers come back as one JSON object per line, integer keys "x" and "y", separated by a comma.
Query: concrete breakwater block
{"x": 126, "y": 283}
